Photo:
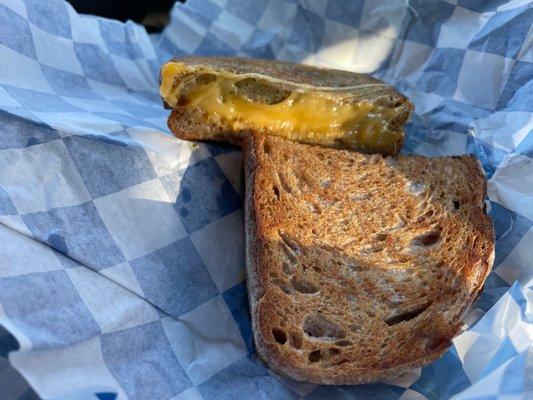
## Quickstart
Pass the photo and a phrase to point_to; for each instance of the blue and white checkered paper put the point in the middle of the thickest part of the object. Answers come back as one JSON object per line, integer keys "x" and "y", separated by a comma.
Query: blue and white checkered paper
{"x": 121, "y": 248}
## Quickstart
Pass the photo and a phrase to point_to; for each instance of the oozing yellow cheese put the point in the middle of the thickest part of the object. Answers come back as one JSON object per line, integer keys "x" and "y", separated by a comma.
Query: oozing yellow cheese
{"x": 311, "y": 116}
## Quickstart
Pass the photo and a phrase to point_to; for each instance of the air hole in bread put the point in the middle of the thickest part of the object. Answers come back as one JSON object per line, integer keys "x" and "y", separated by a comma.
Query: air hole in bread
{"x": 381, "y": 237}
{"x": 266, "y": 147}
{"x": 360, "y": 196}
{"x": 279, "y": 335}
{"x": 304, "y": 286}
{"x": 317, "y": 269}
{"x": 314, "y": 208}
{"x": 291, "y": 244}
{"x": 425, "y": 216}
{"x": 343, "y": 343}
{"x": 318, "y": 326}
{"x": 406, "y": 316}
{"x": 276, "y": 191}
{"x": 315, "y": 356}
{"x": 284, "y": 286}
{"x": 286, "y": 268}
{"x": 427, "y": 239}
{"x": 375, "y": 249}
{"x": 417, "y": 188}
{"x": 343, "y": 361}
{"x": 326, "y": 183}
{"x": 284, "y": 183}
{"x": 289, "y": 253}
{"x": 296, "y": 340}
{"x": 456, "y": 204}
{"x": 334, "y": 351}
{"x": 259, "y": 91}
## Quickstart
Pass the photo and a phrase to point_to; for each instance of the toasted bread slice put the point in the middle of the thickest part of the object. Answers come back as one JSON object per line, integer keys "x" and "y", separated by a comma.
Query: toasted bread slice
{"x": 227, "y": 99}
{"x": 360, "y": 267}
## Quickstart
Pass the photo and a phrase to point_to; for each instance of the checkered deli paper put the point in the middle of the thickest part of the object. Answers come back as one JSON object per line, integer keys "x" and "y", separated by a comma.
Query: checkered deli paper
{"x": 121, "y": 248}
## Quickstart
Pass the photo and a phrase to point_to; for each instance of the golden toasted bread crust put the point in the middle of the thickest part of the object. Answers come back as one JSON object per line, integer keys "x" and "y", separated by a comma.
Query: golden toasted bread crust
{"x": 360, "y": 267}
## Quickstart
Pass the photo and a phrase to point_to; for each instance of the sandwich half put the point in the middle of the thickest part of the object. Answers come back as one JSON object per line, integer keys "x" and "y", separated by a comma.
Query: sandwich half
{"x": 360, "y": 267}
{"x": 228, "y": 99}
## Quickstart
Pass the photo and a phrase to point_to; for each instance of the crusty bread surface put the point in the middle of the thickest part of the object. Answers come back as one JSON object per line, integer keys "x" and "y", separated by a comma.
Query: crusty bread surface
{"x": 360, "y": 267}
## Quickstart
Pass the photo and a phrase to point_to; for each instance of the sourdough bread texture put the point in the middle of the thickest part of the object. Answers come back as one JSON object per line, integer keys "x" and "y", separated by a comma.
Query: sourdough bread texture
{"x": 360, "y": 267}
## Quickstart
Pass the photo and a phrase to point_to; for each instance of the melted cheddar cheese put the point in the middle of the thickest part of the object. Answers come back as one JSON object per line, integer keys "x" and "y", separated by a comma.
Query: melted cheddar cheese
{"x": 312, "y": 116}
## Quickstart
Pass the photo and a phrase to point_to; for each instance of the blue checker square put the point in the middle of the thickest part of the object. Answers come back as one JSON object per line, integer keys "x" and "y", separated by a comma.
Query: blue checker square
{"x": 348, "y": 14}
{"x": 236, "y": 299}
{"x": 125, "y": 119}
{"x": 8, "y": 343}
{"x": 381, "y": 391}
{"x": 17, "y": 132}
{"x": 109, "y": 163}
{"x": 106, "y": 395}
{"x": 241, "y": 381}
{"x": 307, "y": 30}
{"x": 201, "y": 18}
{"x": 211, "y": 44}
{"x": 142, "y": 110}
{"x": 50, "y": 16}
{"x": 441, "y": 72}
{"x": 443, "y": 378}
{"x": 259, "y": 44}
{"x": 41, "y": 302}
{"x": 456, "y": 116}
{"x": 490, "y": 157}
{"x": 505, "y": 351}
{"x": 38, "y": 101}
{"x": 203, "y": 194}
{"x": 513, "y": 380}
{"x": 509, "y": 228}
{"x": 206, "y": 11}
{"x": 424, "y": 27}
{"x": 16, "y": 33}
{"x": 217, "y": 148}
{"x": 77, "y": 231}
{"x": 174, "y": 277}
{"x": 519, "y": 296}
{"x": 504, "y": 33}
{"x": 493, "y": 289}
{"x": 516, "y": 93}
{"x": 147, "y": 97}
{"x": 68, "y": 84}
{"x": 97, "y": 65}
{"x": 167, "y": 50}
{"x": 526, "y": 145}
{"x": 143, "y": 363}
{"x": 481, "y": 5}
{"x": 118, "y": 41}
{"x": 6, "y": 204}
{"x": 249, "y": 11}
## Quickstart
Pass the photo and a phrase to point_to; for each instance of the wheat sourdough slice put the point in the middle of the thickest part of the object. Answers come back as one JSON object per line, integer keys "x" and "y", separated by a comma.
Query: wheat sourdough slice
{"x": 268, "y": 97}
{"x": 360, "y": 267}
